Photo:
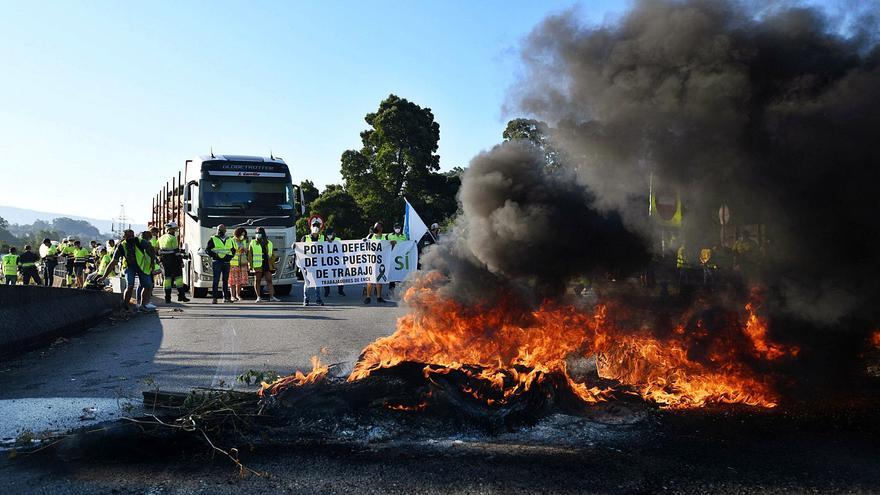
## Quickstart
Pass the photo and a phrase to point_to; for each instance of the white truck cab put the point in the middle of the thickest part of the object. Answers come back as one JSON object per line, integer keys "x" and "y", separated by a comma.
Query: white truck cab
{"x": 238, "y": 191}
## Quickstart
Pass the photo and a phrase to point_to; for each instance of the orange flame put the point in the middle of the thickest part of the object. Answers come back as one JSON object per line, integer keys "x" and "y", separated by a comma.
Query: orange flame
{"x": 875, "y": 338}
{"x": 504, "y": 351}
{"x": 756, "y": 330}
{"x": 510, "y": 352}
{"x": 319, "y": 371}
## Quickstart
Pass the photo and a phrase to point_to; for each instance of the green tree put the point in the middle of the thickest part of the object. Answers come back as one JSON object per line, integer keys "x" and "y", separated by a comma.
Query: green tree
{"x": 536, "y": 132}
{"x": 397, "y": 159}
{"x": 310, "y": 192}
{"x": 35, "y": 237}
{"x": 78, "y": 228}
{"x": 439, "y": 203}
{"x": 4, "y": 224}
{"x": 339, "y": 210}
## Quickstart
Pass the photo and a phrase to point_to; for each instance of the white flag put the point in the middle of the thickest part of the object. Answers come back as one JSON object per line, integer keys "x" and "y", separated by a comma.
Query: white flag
{"x": 413, "y": 226}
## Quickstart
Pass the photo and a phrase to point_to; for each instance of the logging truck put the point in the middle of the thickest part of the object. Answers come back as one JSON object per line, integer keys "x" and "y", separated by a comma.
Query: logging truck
{"x": 238, "y": 191}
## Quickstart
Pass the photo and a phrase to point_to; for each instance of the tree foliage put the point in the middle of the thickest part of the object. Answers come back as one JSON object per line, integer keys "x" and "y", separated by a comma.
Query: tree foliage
{"x": 339, "y": 210}
{"x": 398, "y": 159}
{"x": 77, "y": 228}
{"x": 310, "y": 192}
{"x": 35, "y": 237}
{"x": 536, "y": 132}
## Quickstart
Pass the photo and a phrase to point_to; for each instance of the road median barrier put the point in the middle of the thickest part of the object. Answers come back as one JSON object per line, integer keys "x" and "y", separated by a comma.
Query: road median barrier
{"x": 31, "y": 316}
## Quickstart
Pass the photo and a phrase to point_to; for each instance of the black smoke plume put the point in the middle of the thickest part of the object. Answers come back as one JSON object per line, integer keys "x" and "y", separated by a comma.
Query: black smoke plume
{"x": 527, "y": 227}
{"x": 774, "y": 112}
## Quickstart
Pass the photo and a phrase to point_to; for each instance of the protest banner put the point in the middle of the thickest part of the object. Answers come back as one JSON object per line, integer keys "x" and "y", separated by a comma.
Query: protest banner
{"x": 355, "y": 261}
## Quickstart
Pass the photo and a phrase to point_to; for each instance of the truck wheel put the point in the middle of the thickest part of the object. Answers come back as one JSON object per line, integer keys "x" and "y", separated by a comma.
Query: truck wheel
{"x": 283, "y": 290}
{"x": 196, "y": 291}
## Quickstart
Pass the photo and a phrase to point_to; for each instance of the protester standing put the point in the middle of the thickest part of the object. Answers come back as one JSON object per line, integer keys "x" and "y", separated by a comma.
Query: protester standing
{"x": 261, "y": 259}
{"x": 80, "y": 259}
{"x": 67, "y": 250}
{"x": 219, "y": 248}
{"x": 375, "y": 235}
{"x": 396, "y": 236}
{"x": 93, "y": 255}
{"x": 28, "y": 266}
{"x": 10, "y": 266}
{"x": 330, "y": 236}
{"x": 140, "y": 262}
{"x": 49, "y": 255}
{"x": 147, "y": 238}
{"x": 314, "y": 236}
{"x": 172, "y": 263}
{"x": 238, "y": 265}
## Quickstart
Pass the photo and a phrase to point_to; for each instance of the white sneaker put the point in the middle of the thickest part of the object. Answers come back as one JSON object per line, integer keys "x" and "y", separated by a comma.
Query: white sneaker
{"x": 259, "y": 300}
{"x": 274, "y": 299}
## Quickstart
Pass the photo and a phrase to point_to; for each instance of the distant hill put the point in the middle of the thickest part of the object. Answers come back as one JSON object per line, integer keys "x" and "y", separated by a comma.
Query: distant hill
{"x": 6, "y": 237}
{"x": 24, "y": 216}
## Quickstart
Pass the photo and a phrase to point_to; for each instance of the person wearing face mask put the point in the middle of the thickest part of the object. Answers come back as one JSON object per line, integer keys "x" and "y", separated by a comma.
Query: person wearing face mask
{"x": 314, "y": 235}
{"x": 394, "y": 237}
{"x": 238, "y": 265}
{"x": 261, "y": 260}
{"x": 219, "y": 248}
{"x": 376, "y": 235}
{"x": 172, "y": 263}
{"x": 330, "y": 236}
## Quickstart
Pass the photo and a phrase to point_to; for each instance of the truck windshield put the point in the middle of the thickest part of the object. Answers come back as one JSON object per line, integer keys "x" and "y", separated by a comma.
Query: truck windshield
{"x": 247, "y": 196}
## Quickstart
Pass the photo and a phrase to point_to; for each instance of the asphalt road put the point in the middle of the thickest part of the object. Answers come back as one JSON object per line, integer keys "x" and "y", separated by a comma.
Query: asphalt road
{"x": 182, "y": 346}
{"x": 91, "y": 377}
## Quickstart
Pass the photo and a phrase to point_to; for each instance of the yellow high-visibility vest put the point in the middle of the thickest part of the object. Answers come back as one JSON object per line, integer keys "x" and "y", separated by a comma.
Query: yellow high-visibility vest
{"x": 10, "y": 265}
{"x": 257, "y": 253}
{"x": 222, "y": 248}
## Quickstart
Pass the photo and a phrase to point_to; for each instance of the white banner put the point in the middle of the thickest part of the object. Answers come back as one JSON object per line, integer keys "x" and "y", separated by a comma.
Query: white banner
{"x": 355, "y": 262}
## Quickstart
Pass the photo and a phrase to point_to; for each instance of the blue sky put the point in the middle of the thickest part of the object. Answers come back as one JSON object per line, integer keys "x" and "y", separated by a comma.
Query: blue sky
{"x": 109, "y": 98}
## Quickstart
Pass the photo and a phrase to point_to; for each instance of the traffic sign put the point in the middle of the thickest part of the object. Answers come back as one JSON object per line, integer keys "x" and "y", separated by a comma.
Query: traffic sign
{"x": 316, "y": 218}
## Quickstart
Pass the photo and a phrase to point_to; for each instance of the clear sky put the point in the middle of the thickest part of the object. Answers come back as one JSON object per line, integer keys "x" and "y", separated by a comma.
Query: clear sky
{"x": 107, "y": 99}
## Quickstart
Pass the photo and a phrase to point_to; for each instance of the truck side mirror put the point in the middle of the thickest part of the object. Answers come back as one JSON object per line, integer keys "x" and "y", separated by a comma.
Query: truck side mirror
{"x": 188, "y": 199}
{"x": 300, "y": 198}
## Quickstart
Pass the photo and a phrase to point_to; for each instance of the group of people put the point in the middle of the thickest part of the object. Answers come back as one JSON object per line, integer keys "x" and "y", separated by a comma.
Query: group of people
{"x": 707, "y": 266}
{"x": 234, "y": 258}
{"x": 142, "y": 258}
{"x": 39, "y": 267}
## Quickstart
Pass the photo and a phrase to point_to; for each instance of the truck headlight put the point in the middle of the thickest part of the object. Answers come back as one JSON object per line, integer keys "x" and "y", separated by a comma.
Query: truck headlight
{"x": 291, "y": 262}
{"x": 206, "y": 264}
